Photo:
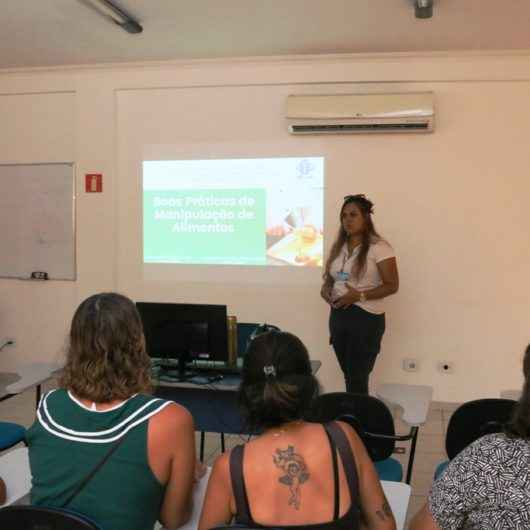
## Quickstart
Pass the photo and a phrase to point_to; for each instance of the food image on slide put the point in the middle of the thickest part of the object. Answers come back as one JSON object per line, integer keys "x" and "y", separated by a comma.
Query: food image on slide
{"x": 250, "y": 212}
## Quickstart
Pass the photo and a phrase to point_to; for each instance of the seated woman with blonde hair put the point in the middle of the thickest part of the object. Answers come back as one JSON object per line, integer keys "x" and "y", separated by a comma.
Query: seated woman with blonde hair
{"x": 487, "y": 485}
{"x": 104, "y": 410}
{"x": 294, "y": 474}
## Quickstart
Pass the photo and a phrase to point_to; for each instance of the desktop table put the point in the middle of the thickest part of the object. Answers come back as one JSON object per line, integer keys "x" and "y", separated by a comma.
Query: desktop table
{"x": 214, "y": 406}
{"x": 28, "y": 376}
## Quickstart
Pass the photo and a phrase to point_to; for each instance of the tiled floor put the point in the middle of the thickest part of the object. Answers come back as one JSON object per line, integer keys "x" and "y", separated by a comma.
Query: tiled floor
{"x": 429, "y": 451}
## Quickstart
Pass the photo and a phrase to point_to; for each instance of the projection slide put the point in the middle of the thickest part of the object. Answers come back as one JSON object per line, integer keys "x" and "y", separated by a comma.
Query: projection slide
{"x": 249, "y": 212}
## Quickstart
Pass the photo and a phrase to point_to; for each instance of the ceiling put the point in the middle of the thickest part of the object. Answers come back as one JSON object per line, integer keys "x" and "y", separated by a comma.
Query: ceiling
{"x": 67, "y": 32}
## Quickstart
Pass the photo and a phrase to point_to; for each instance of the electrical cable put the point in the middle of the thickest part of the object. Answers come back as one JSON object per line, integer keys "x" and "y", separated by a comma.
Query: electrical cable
{"x": 7, "y": 343}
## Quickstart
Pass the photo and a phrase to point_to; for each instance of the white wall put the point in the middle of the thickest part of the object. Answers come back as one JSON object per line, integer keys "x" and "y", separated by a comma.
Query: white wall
{"x": 454, "y": 204}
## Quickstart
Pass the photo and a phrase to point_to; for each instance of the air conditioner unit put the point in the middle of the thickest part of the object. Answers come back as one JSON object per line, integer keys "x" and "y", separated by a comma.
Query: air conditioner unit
{"x": 360, "y": 113}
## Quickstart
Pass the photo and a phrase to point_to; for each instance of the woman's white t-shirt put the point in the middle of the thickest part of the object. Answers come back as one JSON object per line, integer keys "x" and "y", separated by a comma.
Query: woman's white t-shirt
{"x": 342, "y": 271}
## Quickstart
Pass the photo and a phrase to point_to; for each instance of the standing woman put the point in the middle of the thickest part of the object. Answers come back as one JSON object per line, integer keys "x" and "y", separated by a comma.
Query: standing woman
{"x": 360, "y": 272}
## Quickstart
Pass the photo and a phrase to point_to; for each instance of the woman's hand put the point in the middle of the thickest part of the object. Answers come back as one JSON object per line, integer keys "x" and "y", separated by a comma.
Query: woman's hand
{"x": 348, "y": 299}
{"x": 199, "y": 472}
{"x": 325, "y": 293}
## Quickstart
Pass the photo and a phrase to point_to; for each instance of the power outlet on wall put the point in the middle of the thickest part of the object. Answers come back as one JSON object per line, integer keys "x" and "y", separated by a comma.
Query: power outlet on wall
{"x": 411, "y": 365}
{"x": 446, "y": 367}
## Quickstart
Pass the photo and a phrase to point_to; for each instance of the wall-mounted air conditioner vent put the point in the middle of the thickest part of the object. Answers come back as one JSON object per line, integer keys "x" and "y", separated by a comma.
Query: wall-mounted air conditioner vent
{"x": 360, "y": 113}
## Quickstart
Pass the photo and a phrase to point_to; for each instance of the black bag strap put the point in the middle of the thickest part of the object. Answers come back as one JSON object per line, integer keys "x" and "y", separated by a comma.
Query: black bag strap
{"x": 238, "y": 485}
{"x": 336, "y": 484}
{"x": 348, "y": 459}
{"x": 94, "y": 470}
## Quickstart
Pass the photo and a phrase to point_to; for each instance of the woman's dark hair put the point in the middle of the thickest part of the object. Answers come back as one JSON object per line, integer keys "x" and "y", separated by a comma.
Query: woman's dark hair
{"x": 366, "y": 207}
{"x": 519, "y": 426}
{"x": 277, "y": 385}
{"x": 106, "y": 357}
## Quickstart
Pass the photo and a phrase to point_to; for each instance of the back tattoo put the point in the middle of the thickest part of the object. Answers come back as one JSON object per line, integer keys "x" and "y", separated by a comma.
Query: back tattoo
{"x": 296, "y": 473}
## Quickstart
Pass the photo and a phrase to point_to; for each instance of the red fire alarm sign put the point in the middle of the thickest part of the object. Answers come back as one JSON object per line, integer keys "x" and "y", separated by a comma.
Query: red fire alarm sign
{"x": 93, "y": 182}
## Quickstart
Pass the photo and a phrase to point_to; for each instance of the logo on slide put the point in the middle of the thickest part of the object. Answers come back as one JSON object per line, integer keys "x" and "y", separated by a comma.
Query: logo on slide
{"x": 305, "y": 168}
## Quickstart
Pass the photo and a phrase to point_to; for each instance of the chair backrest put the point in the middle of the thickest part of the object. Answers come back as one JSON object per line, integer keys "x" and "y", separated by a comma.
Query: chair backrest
{"x": 368, "y": 415}
{"x": 244, "y": 332}
{"x": 475, "y": 419}
{"x": 247, "y": 331}
{"x": 41, "y": 518}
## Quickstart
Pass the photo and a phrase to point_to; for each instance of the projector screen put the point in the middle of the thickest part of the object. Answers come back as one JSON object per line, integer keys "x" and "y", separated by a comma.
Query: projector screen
{"x": 244, "y": 212}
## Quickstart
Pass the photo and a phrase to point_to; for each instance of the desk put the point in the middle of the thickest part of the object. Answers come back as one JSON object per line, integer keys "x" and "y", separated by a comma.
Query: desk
{"x": 26, "y": 377}
{"x": 214, "y": 406}
{"x": 397, "y": 493}
{"x": 14, "y": 470}
{"x": 415, "y": 401}
{"x": 398, "y": 496}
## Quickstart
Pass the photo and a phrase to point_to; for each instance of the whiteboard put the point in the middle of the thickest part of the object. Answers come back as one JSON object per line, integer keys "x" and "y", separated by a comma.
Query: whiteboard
{"x": 37, "y": 220}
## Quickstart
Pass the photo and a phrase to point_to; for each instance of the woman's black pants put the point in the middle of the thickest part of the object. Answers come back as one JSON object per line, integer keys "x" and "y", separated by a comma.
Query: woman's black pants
{"x": 356, "y": 338}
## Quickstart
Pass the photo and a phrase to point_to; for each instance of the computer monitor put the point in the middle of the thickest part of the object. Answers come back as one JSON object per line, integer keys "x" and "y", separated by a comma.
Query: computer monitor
{"x": 185, "y": 332}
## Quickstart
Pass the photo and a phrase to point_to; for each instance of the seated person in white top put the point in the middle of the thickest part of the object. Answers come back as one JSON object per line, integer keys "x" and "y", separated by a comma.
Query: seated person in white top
{"x": 487, "y": 486}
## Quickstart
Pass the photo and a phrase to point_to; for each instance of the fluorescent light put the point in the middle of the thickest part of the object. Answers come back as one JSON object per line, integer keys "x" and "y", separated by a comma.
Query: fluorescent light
{"x": 116, "y": 14}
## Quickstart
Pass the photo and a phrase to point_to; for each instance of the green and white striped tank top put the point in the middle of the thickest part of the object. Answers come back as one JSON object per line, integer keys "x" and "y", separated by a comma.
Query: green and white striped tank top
{"x": 68, "y": 439}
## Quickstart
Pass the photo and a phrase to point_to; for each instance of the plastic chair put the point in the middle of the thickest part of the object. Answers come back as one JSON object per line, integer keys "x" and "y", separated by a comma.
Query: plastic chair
{"x": 15, "y": 472}
{"x": 11, "y": 434}
{"x": 374, "y": 424}
{"x": 473, "y": 420}
{"x": 41, "y": 518}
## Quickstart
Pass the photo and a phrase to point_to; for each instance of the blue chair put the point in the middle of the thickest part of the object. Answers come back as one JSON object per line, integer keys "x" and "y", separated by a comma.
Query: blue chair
{"x": 471, "y": 421}
{"x": 244, "y": 333}
{"x": 372, "y": 421}
{"x": 11, "y": 434}
{"x": 41, "y": 518}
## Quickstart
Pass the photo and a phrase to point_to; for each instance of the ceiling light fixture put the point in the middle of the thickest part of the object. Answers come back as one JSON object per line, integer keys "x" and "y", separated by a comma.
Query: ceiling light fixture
{"x": 116, "y": 14}
{"x": 423, "y": 8}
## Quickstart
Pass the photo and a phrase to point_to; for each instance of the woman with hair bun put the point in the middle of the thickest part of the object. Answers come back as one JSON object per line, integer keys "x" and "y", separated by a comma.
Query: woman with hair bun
{"x": 361, "y": 270}
{"x": 103, "y": 410}
{"x": 295, "y": 474}
{"x": 487, "y": 485}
